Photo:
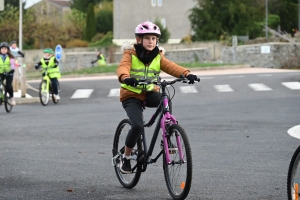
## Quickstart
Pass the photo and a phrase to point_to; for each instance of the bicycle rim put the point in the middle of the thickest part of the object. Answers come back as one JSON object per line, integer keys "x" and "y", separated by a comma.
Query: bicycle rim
{"x": 293, "y": 180}
{"x": 127, "y": 180}
{"x": 44, "y": 94}
{"x": 178, "y": 174}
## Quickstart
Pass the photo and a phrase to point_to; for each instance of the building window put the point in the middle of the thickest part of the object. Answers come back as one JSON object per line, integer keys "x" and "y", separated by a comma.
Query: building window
{"x": 153, "y": 2}
{"x": 163, "y": 22}
{"x": 159, "y": 2}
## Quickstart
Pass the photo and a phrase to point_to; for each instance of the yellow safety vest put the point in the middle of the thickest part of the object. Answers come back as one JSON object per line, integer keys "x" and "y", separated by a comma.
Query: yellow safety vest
{"x": 52, "y": 72}
{"x": 4, "y": 66}
{"x": 102, "y": 61}
{"x": 140, "y": 71}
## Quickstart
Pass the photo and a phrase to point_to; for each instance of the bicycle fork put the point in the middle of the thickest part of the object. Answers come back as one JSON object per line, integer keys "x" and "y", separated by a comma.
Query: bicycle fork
{"x": 169, "y": 119}
{"x": 45, "y": 87}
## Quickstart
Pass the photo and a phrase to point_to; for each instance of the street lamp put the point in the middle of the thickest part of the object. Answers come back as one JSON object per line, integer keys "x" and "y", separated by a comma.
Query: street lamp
{"x": 267, "y": 18}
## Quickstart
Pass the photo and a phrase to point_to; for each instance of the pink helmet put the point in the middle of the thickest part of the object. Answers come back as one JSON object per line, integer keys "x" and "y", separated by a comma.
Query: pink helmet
{"x": 147, "y": 28}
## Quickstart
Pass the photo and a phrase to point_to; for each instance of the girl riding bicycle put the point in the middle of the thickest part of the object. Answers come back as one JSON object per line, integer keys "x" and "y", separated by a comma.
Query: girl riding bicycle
{"x": 140, "y": 61}
{"x": 7, "y": 68}
{"x": 50, "y": 63}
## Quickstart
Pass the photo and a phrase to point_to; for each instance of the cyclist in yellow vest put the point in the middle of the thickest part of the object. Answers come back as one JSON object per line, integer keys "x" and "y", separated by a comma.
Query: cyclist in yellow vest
{"x": 7, "y": 66}
{"x": 142, "y": 60}
{"x": 100, "y": 59}
{"x": 49, "y": 61}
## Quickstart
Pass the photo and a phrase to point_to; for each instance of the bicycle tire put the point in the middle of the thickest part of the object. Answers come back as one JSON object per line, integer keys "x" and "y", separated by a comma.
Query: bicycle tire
{"x": 1, "y": 92}
{"x": 44, "y": 96}
{"x": 127, "y": 180}
{"x": 7, "y": 105}
{"x": 180, "y": 185}
{"x": 292, "y": 176}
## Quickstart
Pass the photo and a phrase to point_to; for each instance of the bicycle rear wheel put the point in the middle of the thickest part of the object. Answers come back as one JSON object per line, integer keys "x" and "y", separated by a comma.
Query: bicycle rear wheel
{"x": 8, "y": 107}
{"x": 44, "y": 95}
{"x": 178, "y": 174}
{"x": 293, "y": 179}
{"x": 127, "y": 180}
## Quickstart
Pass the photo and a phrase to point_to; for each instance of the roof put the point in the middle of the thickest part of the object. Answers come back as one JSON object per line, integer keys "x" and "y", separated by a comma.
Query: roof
{"x": 62, "y": 3}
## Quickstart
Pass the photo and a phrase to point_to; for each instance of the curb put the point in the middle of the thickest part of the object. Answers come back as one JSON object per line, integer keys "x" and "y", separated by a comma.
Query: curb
{"x": 27, "y": 100}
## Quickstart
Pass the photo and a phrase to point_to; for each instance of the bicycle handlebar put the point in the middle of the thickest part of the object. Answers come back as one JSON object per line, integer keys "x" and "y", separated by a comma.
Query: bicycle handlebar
{"x": 164, "y": 82}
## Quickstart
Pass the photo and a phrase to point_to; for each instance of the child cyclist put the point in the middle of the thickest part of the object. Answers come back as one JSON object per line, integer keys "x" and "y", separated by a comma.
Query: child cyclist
{"x": 142, "y": 60}
{"x": 49, "y": 61}
{"x": 7, "y": 69}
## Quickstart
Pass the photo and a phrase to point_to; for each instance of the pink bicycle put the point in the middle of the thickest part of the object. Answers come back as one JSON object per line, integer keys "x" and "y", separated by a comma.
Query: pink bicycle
{"x": 176, "y": 151}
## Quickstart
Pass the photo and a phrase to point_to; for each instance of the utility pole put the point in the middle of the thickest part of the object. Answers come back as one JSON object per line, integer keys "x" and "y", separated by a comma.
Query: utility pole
{"x": 298, "y": 15}
{"x": 23, "y": 69}
{"x": 267, "y": 18}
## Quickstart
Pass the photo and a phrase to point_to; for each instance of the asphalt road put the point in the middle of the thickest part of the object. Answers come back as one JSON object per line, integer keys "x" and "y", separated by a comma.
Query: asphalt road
{"x": 239, "y": 142}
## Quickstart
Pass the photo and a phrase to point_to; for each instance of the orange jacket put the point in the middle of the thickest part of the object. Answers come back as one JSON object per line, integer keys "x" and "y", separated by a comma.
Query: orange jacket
{"x": 123, "y": 71}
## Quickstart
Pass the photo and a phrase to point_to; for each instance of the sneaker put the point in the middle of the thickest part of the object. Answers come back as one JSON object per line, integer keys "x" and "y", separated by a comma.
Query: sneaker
{"x": 57, "y": 97}
{"x": 125, "y": 166}
{"x": 12, "y": 101}
{"x": 171, "y": 146}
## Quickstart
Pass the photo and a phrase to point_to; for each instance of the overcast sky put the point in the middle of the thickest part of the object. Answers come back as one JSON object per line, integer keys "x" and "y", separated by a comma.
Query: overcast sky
{"x": 30, "y": 2}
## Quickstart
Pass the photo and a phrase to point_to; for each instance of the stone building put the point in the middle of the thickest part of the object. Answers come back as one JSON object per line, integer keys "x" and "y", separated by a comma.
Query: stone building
{"x": 173, "y": 14}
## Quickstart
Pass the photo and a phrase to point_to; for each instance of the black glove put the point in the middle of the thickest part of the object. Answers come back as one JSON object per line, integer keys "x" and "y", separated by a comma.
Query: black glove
{"x": 131, "y": 81}
{"x": 36, "y": 67}
{"x": 11, "y": 72}
{"x": 192, "y": 78}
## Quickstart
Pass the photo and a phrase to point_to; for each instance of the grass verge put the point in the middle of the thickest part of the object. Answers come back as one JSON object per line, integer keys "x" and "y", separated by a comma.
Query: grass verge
{"x": 33, "y": 74}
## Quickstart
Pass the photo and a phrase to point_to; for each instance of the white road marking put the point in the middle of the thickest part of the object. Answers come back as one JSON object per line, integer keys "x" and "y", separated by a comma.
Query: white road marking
{"x": 19, "y": 94}
{"x": 82, "y": 93}
{"x": 114, "y": 92}
{"x": 188, "y": 89}
{"x": 223, "y": 88}
{"x": 265, "y": 75}
{"x": 292, "y": 85}
{"x": 259, "y": 87}
{"x": 240, "y": 76}
{"x": 206, "y": 77}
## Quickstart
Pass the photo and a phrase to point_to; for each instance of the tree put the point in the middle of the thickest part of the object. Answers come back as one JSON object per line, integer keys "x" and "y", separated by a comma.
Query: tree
{"x": 236, "y": 17}
{"x": 104, "y": 17}
{"x": 165, "y": 34}
{"x": 90, "y": 29}
{"x": 83, "y": 5}
{"x": 287, "y": 10}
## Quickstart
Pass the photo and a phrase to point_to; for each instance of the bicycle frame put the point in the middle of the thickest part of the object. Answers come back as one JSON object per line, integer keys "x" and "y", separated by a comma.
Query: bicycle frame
{"x": 2, "y": 96}
{"x": 165, "y": 119}
{"x": 47, "y": 79}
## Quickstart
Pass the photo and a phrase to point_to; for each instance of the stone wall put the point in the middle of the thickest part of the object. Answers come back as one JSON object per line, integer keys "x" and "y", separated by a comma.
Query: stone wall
{"x": 267, "y": 55}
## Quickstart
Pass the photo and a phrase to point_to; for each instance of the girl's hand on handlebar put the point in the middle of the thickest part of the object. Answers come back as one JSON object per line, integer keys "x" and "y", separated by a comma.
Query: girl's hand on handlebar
{"x": 192, "y": 78}
{"x": 131, "y": 81}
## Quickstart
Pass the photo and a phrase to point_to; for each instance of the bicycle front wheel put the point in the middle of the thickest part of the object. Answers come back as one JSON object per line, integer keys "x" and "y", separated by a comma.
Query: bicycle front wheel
{"x": 44, "y": 94}
{"x": 293, "y": 179}
{"x": 7, "y": 105}
{"x": 178, "y": 174}
{"x": 127, "y": 180}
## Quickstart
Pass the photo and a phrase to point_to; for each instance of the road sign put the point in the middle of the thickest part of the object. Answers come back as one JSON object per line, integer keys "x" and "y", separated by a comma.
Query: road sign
{"x": 58, "y": 52}
{"x": 1, "y": 5}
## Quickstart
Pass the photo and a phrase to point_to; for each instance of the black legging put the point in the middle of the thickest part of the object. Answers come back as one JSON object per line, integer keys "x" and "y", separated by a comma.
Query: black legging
{"x": 133, "y": 108}
{"x": 54, "y": 85}
{"x": 9, "y": 79}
